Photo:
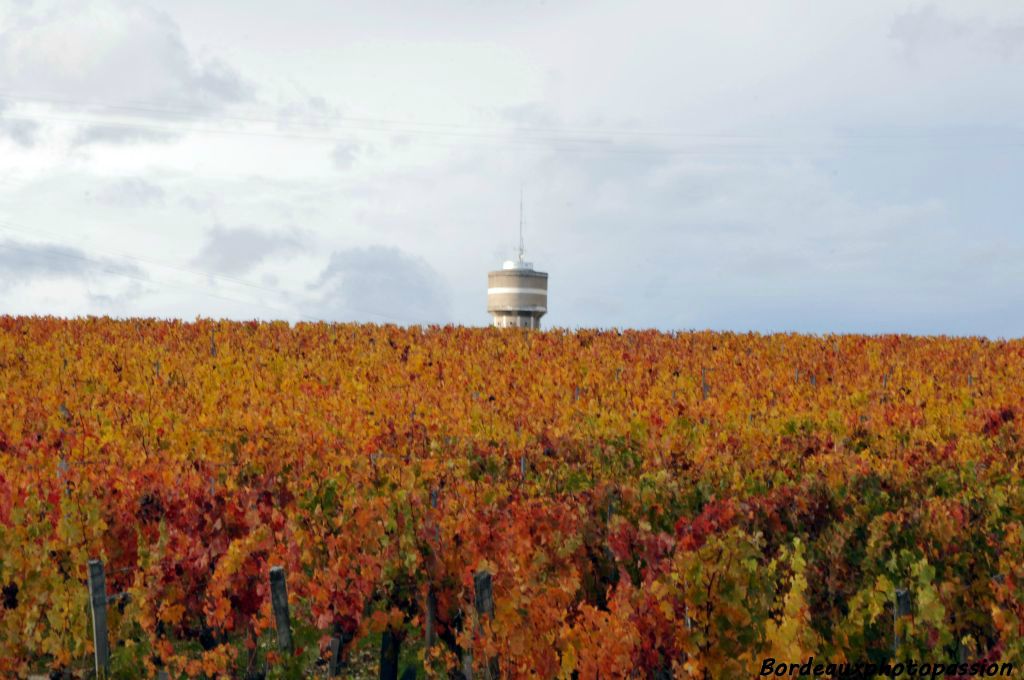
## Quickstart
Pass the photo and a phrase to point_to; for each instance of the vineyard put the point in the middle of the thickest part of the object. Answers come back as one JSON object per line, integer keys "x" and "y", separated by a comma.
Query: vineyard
{"x": 637, "y": 504}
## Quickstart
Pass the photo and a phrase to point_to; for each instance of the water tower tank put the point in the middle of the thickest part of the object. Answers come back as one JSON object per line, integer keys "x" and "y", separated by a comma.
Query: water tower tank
{"x": 517, "y": 295}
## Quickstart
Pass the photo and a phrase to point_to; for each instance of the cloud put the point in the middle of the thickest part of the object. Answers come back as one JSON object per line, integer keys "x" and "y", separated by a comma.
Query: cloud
{"x": 927, "y": 28}
{"x": 346, "y": 154}
{"x": 764, "y": 186}
{"x": 21, "y": 131}
{"x": 115, "y": 53}
{"x": 1008, "y": 40}
{"x": 309, "y": 111}
{"x": 532, "y": 114}
{"x": 923, "y": 26}
{"x": 383, "y": 285}
{"x": 131, "y": 192}
{"x": 710, "y": 232}
{"x": 237, "y": 250}
{"x": 22, "y": 262}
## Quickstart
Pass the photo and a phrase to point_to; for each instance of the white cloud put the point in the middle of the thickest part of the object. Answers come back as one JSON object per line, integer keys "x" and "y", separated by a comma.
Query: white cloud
{"x": 111, "y": 52}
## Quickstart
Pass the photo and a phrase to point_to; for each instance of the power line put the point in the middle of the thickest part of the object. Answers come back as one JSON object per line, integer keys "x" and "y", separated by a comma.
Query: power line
{"x": 525, "y": 142}
{"x": 564, "y": 134}
{"x": 710, "y": 144}
{"x": 580, "y": 146}
{"x": 403, "y": 123}
{"x": 357, "y": 124}
{"x": 556, "y": 144}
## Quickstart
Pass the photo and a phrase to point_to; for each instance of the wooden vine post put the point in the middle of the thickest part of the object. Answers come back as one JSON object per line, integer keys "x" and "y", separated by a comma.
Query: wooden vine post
{"x": 334, "y": 665}
{"x": 98, "y": 609}
{"x": 430, "y": 626}
{"x": 279, "y": 602}
{"x": 900, "y": 611}
{"x": 483, "y": 587}
{"x": 390, "y": 647}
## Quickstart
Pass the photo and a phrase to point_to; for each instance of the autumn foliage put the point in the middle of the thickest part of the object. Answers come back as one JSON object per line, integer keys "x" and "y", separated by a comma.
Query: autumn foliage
{"x": 649, "y": 504}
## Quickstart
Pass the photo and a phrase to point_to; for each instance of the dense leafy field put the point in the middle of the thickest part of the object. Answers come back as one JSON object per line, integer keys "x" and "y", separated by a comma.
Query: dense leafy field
{"x": 684, "y": 504}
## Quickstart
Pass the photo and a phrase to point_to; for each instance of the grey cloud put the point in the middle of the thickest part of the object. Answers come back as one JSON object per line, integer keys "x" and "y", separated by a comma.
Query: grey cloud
{"x": 125, "y": 53}
{"x": 199, "y": 203}
{"x": 1009, "y": 39}
{"x": 923, "y": 25}
{"x": 309, "y": 111}
{"x": 237, "y": 250}
{"x": 131, "y": 192}
{"x": 346, "y": 154}
{"x": 119, "y": 135}
{"x": 712, "y": 231}
{"x": 217, "y": 83}
{"x": 382, "y": 284}
{"x": 114, "y": 303}
{"x": 22, "y": 262}
{"x": 532, "y": 114}
{"x": 926, "y": 27}
{"x": 21, "y": 131}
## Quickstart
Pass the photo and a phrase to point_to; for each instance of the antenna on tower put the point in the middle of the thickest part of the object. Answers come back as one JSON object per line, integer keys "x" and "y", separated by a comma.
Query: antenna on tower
{"x": 522, "y": 248}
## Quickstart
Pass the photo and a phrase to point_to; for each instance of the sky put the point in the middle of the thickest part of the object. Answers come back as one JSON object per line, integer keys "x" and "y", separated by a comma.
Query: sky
{"x": 820, "y": 167}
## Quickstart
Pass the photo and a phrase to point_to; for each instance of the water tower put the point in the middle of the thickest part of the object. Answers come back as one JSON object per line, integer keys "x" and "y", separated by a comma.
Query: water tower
{"x": 517, "y": 295}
